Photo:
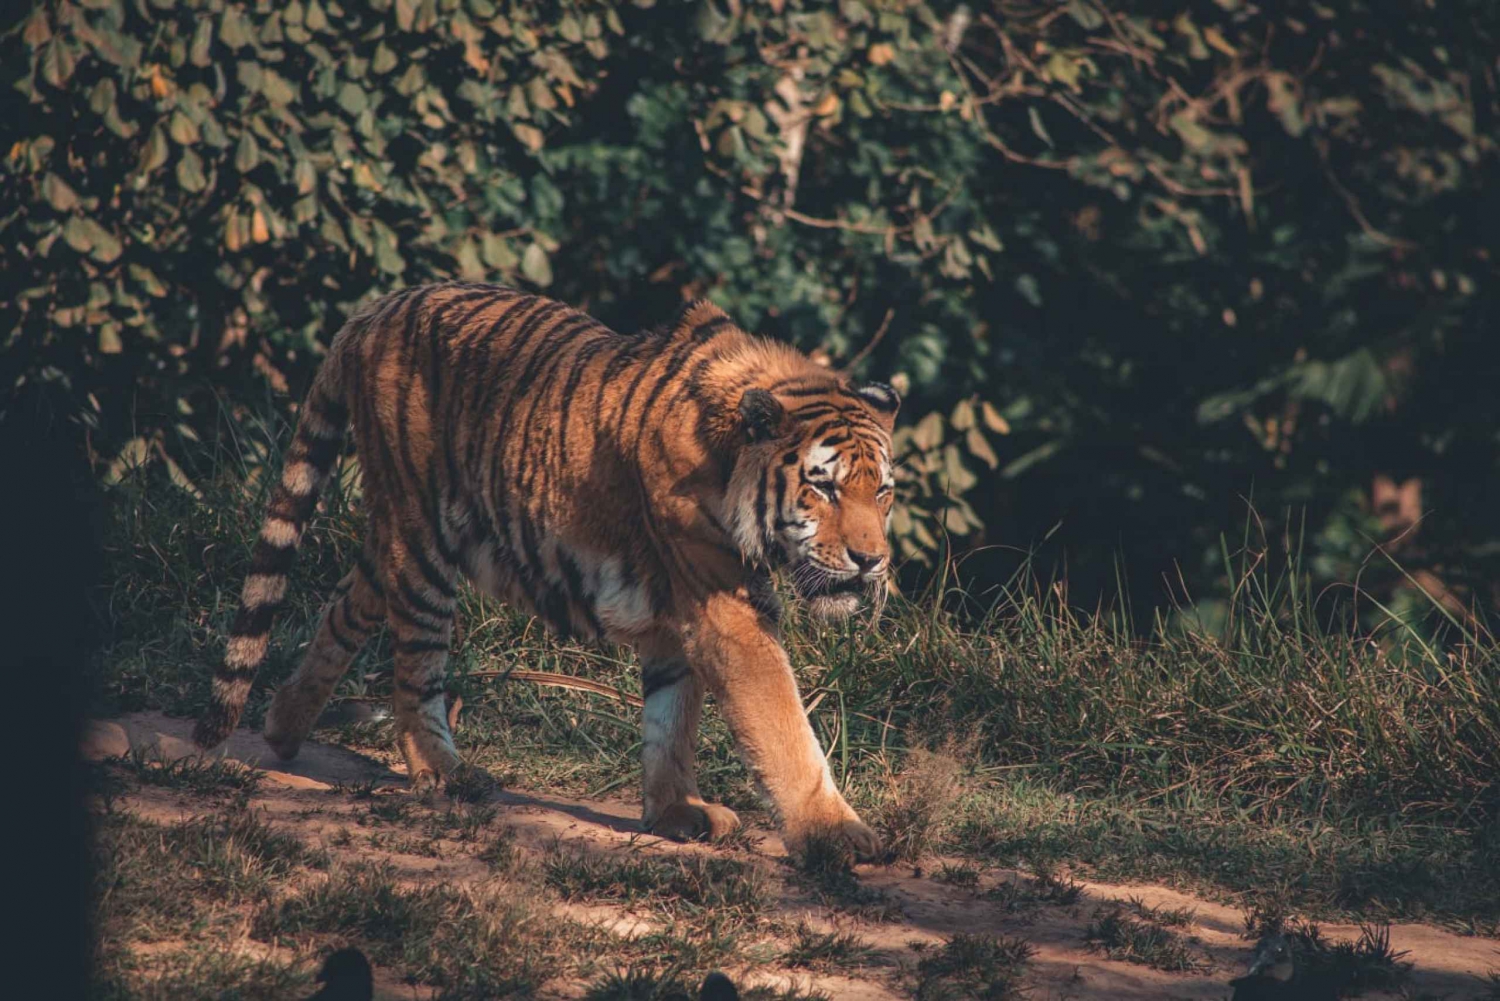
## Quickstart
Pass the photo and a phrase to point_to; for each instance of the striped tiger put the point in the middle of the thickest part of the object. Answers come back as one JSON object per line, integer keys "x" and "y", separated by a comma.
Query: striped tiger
{"x": 635, "y": 488}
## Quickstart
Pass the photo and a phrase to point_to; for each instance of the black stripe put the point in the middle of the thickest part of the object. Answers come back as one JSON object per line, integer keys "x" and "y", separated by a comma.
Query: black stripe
{"x": 334, "y": 630}
{"x": 429, "y": 570}
{"x": 253, "y": 621}
{"x": 416, "y": 646}
{"x": 290, "y": 507}
{"x": 321, "y": 452}
{"x": 654, "y": 678}
{"x": 417, "y": 620}
{"x": 423, "y": 693}
{"x": 365, "y": 625}
{"x": 367, "y": 570}
{"x": 419, "y": 602}
{"x": 581, "y": 599}
{"x": 226, "y": 673}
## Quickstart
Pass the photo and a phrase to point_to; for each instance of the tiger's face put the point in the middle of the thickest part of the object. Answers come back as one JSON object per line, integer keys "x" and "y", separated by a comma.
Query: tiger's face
{"x": 813, "y": 489}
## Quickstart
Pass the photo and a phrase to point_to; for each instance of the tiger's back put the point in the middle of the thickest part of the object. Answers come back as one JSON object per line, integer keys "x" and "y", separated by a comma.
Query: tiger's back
{"x": 633, "y": 488}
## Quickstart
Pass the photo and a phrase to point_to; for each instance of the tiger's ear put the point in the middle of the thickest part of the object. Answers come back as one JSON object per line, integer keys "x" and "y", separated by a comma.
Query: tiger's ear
{"x": 762, "y": 415}
{"x": 884, "y": 400}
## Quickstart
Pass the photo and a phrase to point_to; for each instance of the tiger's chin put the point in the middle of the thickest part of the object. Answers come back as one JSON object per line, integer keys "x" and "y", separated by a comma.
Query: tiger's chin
{"x": 833, "y": 607}
{"x": 832, "y": 599}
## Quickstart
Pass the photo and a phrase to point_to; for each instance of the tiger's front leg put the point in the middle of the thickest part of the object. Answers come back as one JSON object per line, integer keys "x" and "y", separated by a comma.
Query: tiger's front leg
{"x": 740, "y": 658}
{"x": 674, "y": 700}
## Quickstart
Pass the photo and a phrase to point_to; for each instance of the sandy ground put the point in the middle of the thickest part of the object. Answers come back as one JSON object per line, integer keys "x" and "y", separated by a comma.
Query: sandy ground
{"x": 297, "y": 796}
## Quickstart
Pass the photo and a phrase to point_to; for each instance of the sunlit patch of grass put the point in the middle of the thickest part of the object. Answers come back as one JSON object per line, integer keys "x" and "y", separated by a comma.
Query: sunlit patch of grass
{"x": 209, "y": 970}
{"x": 911, "y": 816}
{"x": 197, "y": 774}
{"x": 470, "y": 944}
{"x": 154, "y": 881}
{"x": 679, "y": 884}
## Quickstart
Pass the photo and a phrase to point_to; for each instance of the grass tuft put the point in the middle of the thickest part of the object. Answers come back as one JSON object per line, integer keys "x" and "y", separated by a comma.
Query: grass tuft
{"x": 1168, "y": 917}
{"x": 813, "y": 949}
{"x": 679, "y": 884}
{"x": 827, "y": 863}
{"x": 1118, "y": 935}
{"x": 974, "y": 967}
{"x": 918, "y": 804}
{"x": 195, "y": 774}
{"x": 472, "y": 945}
{"x": 638, "y": 985}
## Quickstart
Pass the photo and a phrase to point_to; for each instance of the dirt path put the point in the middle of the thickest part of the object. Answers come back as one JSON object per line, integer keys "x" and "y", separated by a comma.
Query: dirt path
{"x": 297, "y": 797}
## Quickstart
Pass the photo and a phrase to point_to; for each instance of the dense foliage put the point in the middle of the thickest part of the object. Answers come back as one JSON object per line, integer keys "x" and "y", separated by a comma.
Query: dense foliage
{"x": 1132, "y": 262}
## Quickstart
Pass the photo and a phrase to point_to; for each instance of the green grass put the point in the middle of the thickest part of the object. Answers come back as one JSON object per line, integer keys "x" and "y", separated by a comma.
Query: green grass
{"x": 826, "y": 868}
{"x": 812, "y": 949}
{"x": 1043, "y": 887}
{"x": 974, "y": 967}
{"x": 677, "y": 885}
{"x": 1272, "y": 756}
{"x": 469, "y": 944}
{"x": 154, "y": 882}
{"x": 1116, "y": 933}
{"x": 197, "y": 775}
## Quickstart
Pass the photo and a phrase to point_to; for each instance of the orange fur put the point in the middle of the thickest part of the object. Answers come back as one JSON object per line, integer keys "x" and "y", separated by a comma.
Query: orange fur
{"x": 631, "y": 488}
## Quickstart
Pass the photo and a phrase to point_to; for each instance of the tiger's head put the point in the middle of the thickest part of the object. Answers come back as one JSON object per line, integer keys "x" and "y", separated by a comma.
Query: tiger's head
{"x": 812, "y": 487}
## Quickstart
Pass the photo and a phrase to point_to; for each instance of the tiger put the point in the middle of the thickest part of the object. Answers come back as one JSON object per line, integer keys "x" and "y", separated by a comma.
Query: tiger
{"x": 632, "y": 488}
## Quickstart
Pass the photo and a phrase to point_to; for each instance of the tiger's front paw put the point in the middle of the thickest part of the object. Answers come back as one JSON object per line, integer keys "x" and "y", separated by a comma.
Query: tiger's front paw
{"x": 685, "y": 821}
{"x": 849, "y": 836}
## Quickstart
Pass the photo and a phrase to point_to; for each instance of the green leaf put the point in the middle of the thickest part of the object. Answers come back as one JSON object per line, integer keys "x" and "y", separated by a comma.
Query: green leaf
{"x": 385, "y": 59}
{"x": 316, "y": 19}
{"x": 979, "y": 446}
{"x": 993, "y": 418}
{"x": 497, "y": 252}
{"x": 105, "y": 247}
{"x": 247, "y": 153}
{"x": 58, "y": 62}
{"x": 154, "y": 153}
{"x": 190, "y": 174}
{"x": 147, "y": 280}
{"x": 928, "y": 433}
{"x": 203, "y": 38}
{"x": 276, "y": 88}
{"x": 58, "y": 194}
{"x": 102, "y": 97}
{"x": 535, "y": 266}
{"x": 78, "y": 234}
{"x": 304, "y": 177}
{"x": 182, "y": 129}
{"x": 963, "y": 416}
{"x": 109, "y": 339}
{"x": 530, "y": 136}
{"x": 234, "y": 31}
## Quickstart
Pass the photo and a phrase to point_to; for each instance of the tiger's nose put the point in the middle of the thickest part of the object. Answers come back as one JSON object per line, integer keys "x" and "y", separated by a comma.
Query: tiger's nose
{"x": 868, "y": 563}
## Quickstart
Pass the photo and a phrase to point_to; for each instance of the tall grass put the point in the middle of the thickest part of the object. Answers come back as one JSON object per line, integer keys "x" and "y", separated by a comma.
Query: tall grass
{"x": 1276, "y": 714}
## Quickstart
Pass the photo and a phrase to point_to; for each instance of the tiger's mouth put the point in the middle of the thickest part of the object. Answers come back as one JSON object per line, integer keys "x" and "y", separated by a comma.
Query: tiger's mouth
{"x": 828, "y": 595}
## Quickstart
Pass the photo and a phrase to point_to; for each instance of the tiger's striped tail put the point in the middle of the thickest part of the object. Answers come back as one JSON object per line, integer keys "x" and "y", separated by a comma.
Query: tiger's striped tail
{"x": 315, "y": 447}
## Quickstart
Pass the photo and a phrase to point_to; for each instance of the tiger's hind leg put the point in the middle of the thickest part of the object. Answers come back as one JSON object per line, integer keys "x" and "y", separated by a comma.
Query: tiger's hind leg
{"x": 357, "y": 610}
{"x": 421, "y": 598}
{"x": 674, "y": 701}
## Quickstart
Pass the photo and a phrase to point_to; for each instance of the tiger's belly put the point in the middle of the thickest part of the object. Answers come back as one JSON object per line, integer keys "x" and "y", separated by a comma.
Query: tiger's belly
{"x": 574, "y": 590}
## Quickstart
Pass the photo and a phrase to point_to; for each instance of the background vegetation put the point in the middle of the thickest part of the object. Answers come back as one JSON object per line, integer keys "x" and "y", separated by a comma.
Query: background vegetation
{"x": 1133, "y": 263}
{"x": 1142, "y": 270}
